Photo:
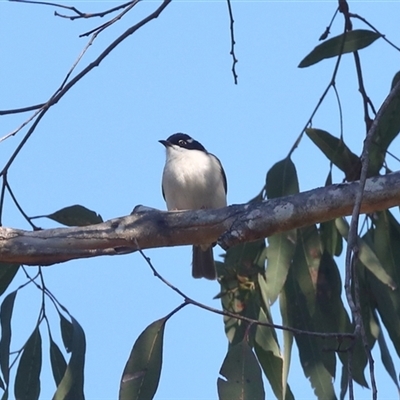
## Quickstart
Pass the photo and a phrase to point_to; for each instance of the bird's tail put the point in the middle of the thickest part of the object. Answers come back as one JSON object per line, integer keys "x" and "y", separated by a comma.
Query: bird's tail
{"x": 203, "y": 263}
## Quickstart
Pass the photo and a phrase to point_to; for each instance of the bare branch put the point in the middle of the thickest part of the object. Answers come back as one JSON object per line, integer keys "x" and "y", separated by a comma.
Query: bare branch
{"x": 230, "y": 226}
{"x": 232, "y": 52}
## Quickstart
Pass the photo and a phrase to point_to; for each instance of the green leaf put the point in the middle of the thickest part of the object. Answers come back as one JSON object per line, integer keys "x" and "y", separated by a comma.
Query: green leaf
{"x": 74, "y": 216}
{"x": 71, "y": 385}
{"x": 337, "y": 152}
{"x": 142, "y": 371}
{"x": 388, "y": 129}
{"x": 367, "y": 255}
{"x": 7, "y": 273}
{"x": 279, "y": 256}
{"x": 344, "y": 382}
{"x": 5, "y": 316}
{"x": 386, "y": 239}
{"x": 58, "y": 363}
{"x": 27, "y": 380}
{"x": 287, "y": 340}
{"x": 332, "y": 316}
{"x": 268, "y": 354}
{"x": 353, "y": 41}
{"x": 310, "y": 351}
{"x": 282, "y": 179}
{"x": 67, "y": 332}
{"x": 242, "y": 375}
{"x": 331, "y": 240}
{"x": 387, "y": 360}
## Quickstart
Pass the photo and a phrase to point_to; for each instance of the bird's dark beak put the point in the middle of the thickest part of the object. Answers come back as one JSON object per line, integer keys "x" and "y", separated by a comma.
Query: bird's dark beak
{"x": 165, "y": 143}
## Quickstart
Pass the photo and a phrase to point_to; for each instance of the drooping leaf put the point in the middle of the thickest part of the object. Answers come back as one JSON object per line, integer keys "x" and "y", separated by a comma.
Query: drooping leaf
{"x": 385, "y": 239}
{"x": 331, "y": 239}
{"x": 287, "y": 340}
{"x": 7, "y": 273}
{"x": 331, "y": 316}
{"x": 353, "y": 41}
{"x": 67, "y": 332}
{"x": 281, "y": 181}
{"x": 71, "y": 385}
{"x": 279, "y": 255}
{"x": 337, "y": 152}
{"x": 387, "y": 360}
{"x": 76, "y": 215}
{"x": 5, "y": 318}
{"x": 367, "y": 256}
{"x": 344, "y": 382}
{"x": 310, "y": 351}
{"x": 388, "y": 129}
{"x": 58, "y": 363}
{"x": 27, "y": 380}
{"x": 142, "y": 371}
{"x": 269, "y": 356}
{"x": 242, "y": 375}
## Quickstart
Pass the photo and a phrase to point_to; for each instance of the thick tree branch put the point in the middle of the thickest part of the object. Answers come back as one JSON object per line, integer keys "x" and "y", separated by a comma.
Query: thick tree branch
{"x": 235, "y": 224}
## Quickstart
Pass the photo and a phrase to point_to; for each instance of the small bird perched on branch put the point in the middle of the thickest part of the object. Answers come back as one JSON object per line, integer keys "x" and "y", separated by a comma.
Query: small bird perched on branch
{"x": 193, "y": 179}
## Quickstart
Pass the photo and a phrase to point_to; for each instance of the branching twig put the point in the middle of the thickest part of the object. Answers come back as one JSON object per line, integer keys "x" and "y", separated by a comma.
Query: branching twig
{"x": 102, "y": 27}
{"x": 21, "y": 110}
{"x": 232, "y": 52}
{"x": 55, "y": 98}
{"x": 376, "y": 30}
{"x": 330, "y": 84}
{"x": 226, "y": 313}
{"x": 80, "y": 14}
{"x": 353, "y": 232}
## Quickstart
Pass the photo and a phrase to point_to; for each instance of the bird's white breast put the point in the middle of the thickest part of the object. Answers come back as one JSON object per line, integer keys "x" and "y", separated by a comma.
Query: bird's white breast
{"x": 192, "y": 179}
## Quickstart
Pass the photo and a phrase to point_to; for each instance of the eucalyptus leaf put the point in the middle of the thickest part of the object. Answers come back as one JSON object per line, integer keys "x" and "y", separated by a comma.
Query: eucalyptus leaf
{"x": 57, "y": 361}
{"x": 76, "y": 215}
{"x": 387, "y": 130}
{"x": 269, "y": 356}
{"x": 7, "y": 273}
{"x": 142, "y": 371}
{"x": 353, "y": 41}
{"x": 337, "y": 152}
{"x": 281, "y": 181}
{"x": 366, "y": 255}
{"x": 6, "y": 311}
{"x": 27, "y": 380}
{"x": 71, "y": 385}
{"x": 241, "y": 375}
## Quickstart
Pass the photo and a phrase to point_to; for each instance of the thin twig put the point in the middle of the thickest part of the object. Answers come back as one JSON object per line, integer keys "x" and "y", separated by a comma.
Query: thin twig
{"x": 376, "y": 30}
{"x": 102, "y": 27}
{"x": 340, "y": 110}
{"x": 328, "y": 28}
{"x": 80, "y": 14}
{"x": 232, "y": 52}
{"x": 35, "y": 228}
{"x": 54, "y": 99}
{"x": 226, "y": 313}
{"x": 21, "y": 110}
{"x": 353, "y": 231}
{"x": 365, "y": 98}
{"x": 330, "y": 84}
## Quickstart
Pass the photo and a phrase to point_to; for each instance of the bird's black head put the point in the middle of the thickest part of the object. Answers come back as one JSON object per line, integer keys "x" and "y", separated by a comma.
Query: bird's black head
{"x": 183, "y": 140}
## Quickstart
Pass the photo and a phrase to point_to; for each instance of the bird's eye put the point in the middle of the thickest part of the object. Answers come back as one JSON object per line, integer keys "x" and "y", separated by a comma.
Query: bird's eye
{"x": 182, "y": 142}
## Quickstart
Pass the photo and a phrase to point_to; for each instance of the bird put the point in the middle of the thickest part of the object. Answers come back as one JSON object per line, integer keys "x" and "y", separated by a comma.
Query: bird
{"x": 193, "y": 179}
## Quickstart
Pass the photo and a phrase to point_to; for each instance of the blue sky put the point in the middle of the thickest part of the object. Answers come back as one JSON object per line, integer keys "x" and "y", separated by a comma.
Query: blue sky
{"x": 99, "y": 147}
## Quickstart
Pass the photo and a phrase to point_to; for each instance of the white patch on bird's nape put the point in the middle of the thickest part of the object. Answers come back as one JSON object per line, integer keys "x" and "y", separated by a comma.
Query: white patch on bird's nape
{"x": 190, "y": 140}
